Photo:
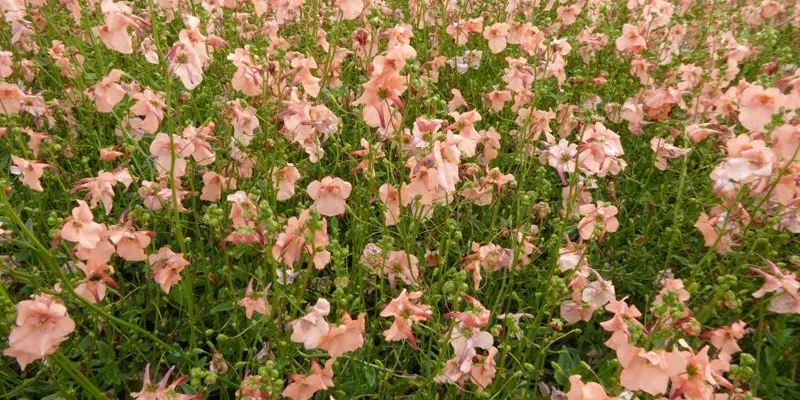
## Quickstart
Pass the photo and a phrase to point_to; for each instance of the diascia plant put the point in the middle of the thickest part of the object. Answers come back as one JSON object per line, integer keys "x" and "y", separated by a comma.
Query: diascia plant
{"x": 345, "y": 199}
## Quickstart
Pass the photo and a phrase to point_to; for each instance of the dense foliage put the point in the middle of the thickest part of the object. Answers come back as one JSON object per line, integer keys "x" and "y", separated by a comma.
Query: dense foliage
{"x": 400, "y": 199}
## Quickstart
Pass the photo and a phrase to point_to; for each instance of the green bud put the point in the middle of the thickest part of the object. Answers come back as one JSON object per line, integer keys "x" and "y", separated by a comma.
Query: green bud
{"x": 747, "y": 359}
{"x": 528, "y": 367}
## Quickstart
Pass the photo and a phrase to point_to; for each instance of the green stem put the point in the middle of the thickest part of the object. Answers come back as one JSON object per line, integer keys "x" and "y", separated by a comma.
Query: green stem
{"x": 67, "y": 366}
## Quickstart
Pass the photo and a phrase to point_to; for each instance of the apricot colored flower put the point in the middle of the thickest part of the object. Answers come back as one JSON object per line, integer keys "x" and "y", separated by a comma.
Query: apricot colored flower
{"x": 311, "y": 328}
{"x": 757, "y": 106}
{"x": 329, "y": 195}
{"x": 568, "y": 15}
{"x": 490, "y": 257}
{"x": 42, "y": 325}
{"x": 304, "y": 387}
{"x": 496, "y": 35}
{"x": 406, "y": 310}
{"x": 150, "y": 106}
{"x": 200, "y": 137}
{"x": 11, "y": 98}
{"x": 562, "y": 156}
{"x": 167, "y": 267}
{"x": 602, "y": 215}
{"x": 401, "y": 264}
{"x": 101, "y": 188}
{"x": 346, "y": 337}
{"x": 484, "y": 368}
{"x": 6, "y": 64}
{"x": 254, "y": 303}
{"x": 725, "y": 339}
{"x": 164, "y": 151}
{"x": 244, "y": 122}
{"x": 162, "y": 391}
{"x": 390, "y": 197}
{"x": 476, "y": 317}
{"x": 291, "y": 244}
{"x": 185, "y": 66}
{"x": 589, "y": 391}
{"x": 148, "y": 49}
{"x": 618, "y": 325}
{"x": 665, "y": 151}
{"x": 130, "y": 243}
{"x": 698, "y": 382}
{"x": 351, "y": 9}
{"x": 214, "y": 184}
{"x": 601, "y": 151}
{"x": 96, "y": 278}
{"x": 631, "y": 40}
{"x": 118, "y": 16}
{"x": 31, "y": 171}
{"x": 81, "y": 228}
{"x": 110, "y": 153}
{"x": 785, "y": 284}
{"x": 467, "y": 363}
{"x": 649, "y": 371}
{"x": 498, "y": 99}
{"x": 107, "y": 93}
{"x": 285, "y": 179}
{"x": 248, "y": 76}
{"x": 303, "y": 65}
{"x": 35, "y": 140}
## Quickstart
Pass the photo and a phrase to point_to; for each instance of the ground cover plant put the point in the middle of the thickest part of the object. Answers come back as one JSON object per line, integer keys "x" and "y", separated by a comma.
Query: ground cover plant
{"x": 355, "y": 199}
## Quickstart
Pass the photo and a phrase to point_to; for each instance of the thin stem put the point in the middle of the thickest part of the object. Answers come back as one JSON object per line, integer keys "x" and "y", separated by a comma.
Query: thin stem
{"x": 67, "y": 366}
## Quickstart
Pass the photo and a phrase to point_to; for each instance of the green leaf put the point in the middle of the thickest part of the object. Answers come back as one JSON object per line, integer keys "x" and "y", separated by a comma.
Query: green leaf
{"x": 227, "y": 306}
{"x": 560, "y": 376}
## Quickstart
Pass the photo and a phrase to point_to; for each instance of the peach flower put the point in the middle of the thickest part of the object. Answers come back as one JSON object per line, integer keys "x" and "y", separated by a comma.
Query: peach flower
{"x": 351, "y": 9}
{"x": 304, "y": 387}
{"x": 81, "y": 228}
{"x": 162, "y": 149}
{"x": 110, "y": 154}
{"x": 757, "y": 106}
{"x": 114, "y": 32}
{"x": 346, "y": 337}
{"x": 406, "y": 310}
{"x": 96, "y": 278}
{"x": 11, "y": 98}
{"x": 568, "y": 15}
{"x": 390, "y": 197}
{"x": 329, "y": 195}
{"x": 150, "y": 106}
{"x": 589, "y": 391}
{"x": 312, "y": 327}
{"x": 291, "y": 244}
{"x": 130, "y": 244}
{"x": 42, "y": 325}
{"x": 285, "y": 179}
{"x": 214, "y": 184}
{"x": 631, "y": 40}
{"x": 167, "y": 266}
{"x": 403, "y": 265}
{"x": 31, "y": 171}
{"x": 107, "y": 93}
{"x": 254, "y": 303}
{"x": 162, "y": 391}
{"x": 496, "y": 35}
{"x": 649, "y": 371}
{"x": 35, "y": 140}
